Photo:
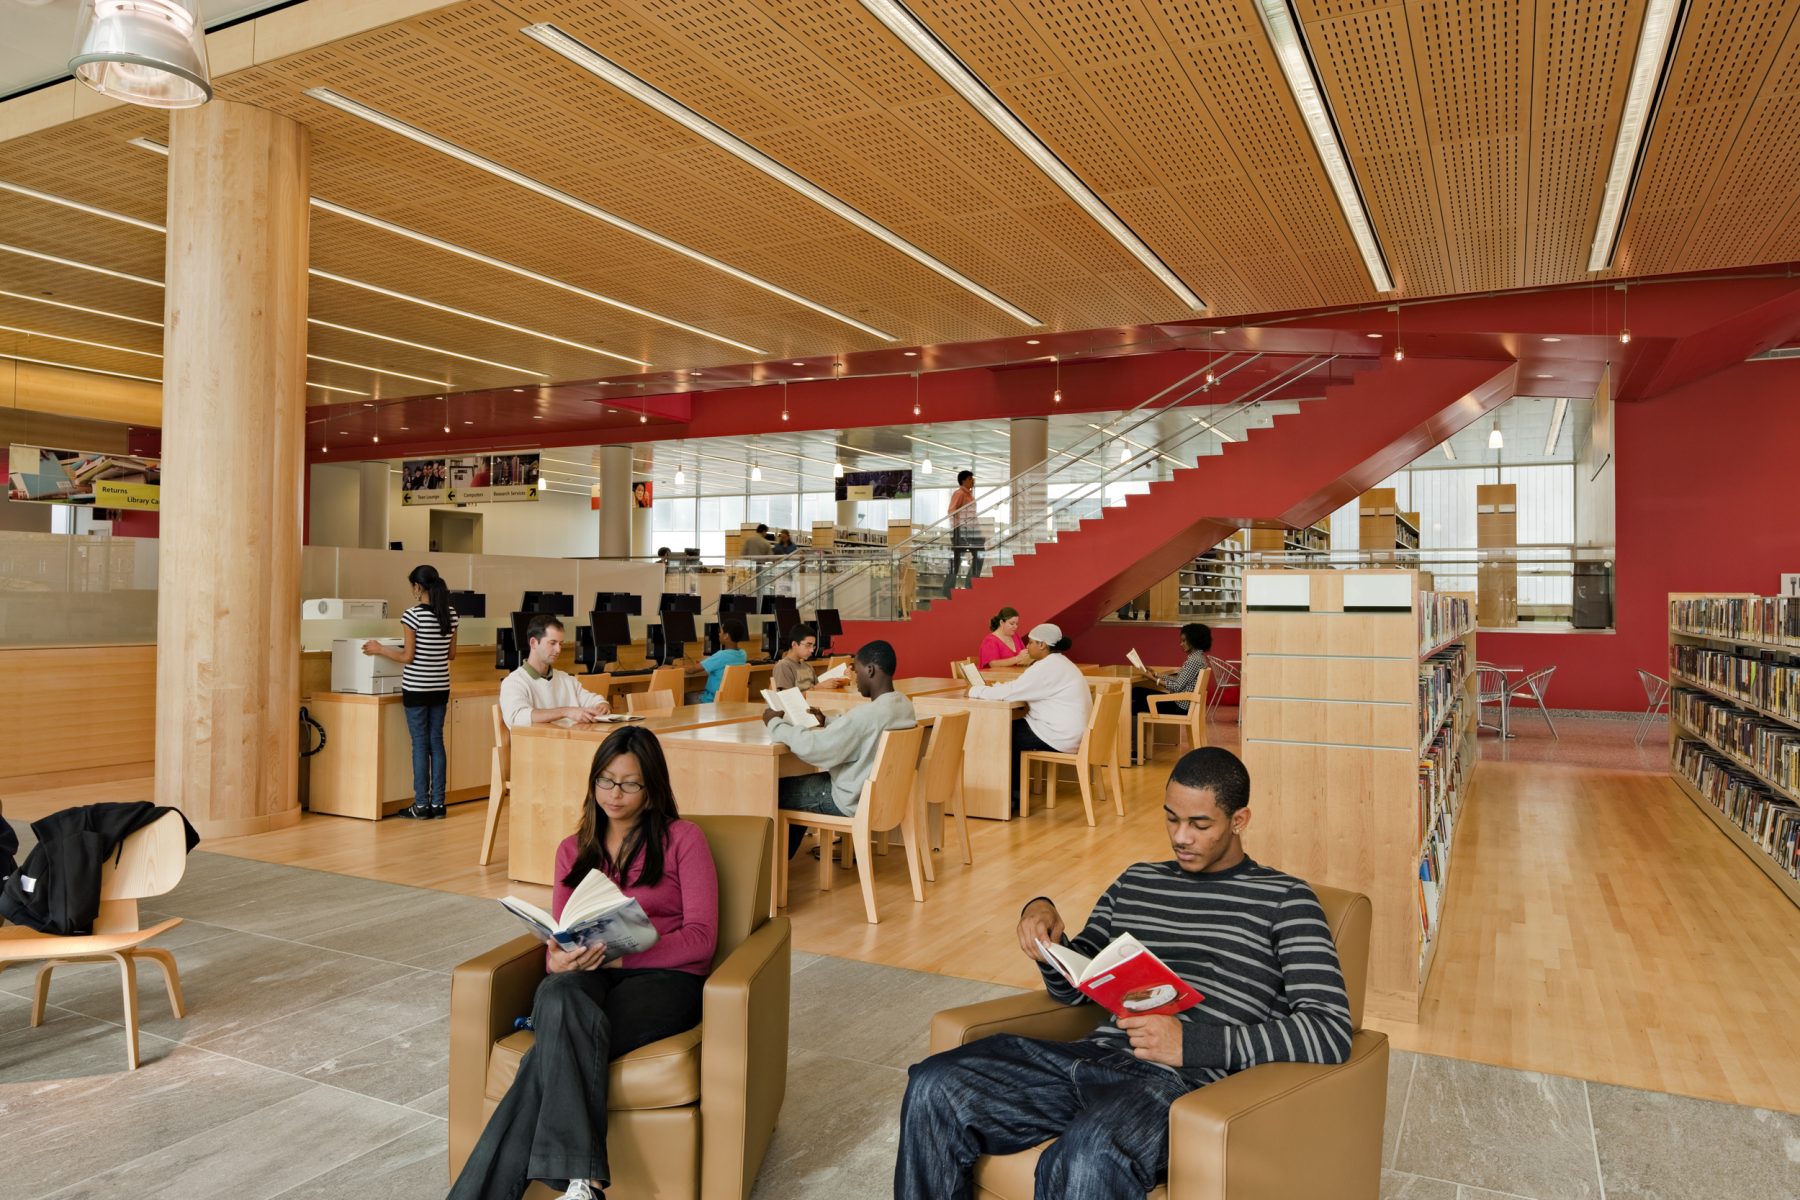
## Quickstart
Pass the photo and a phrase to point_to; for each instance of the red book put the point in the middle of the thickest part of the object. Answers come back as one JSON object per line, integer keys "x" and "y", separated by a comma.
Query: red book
{"x": 1125, "y": 979}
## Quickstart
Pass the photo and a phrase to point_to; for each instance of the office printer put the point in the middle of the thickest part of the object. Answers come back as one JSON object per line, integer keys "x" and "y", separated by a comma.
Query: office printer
{"x": 368, "y": 674}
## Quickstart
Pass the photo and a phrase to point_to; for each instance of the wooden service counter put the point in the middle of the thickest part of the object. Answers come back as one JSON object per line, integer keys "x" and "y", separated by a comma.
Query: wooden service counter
{"x": 365, "y": 769}
{"x": 550, "y": 766}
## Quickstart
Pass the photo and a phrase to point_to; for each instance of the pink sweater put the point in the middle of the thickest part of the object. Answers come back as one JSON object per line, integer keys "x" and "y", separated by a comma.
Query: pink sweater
{"x": 994, "y": 646}
{"x": 684, "y": 904}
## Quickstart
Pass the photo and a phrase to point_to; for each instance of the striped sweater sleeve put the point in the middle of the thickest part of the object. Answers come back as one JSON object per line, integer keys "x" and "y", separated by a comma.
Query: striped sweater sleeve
{"x": 1094, "y": 937}
{"x": 1316, "y": 1027}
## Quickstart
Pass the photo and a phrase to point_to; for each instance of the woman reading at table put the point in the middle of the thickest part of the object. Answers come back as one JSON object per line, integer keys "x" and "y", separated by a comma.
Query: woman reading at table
{"x": 1002, "y": 647}
{"x": 551, "y": 1124}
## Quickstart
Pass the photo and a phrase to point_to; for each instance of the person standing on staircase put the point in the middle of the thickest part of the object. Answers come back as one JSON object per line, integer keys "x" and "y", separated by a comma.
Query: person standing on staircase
{"x": 965, "y": 531}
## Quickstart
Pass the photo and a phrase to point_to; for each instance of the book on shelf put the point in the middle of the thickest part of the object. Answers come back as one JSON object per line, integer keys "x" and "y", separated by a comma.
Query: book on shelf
{"x": 1125, "y": 978}
{"x": 1771, "y": 822}
{"x": 596, "y": 913}
{"x": 1443, "y": 616}
{"x": 791, "y": 704}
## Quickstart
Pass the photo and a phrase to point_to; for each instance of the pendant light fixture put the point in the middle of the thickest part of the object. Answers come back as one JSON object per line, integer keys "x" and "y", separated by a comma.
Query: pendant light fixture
{"x": 680, "y": 477}
{"x": 446, "y": 400}
{"x": 916, "y": 409}
{"x": 148, "y": 52}
{"x": 837, "y": 470}
{"x": 925, "y": 467}
{"x": 1211, "y": 378}
{"x": 1495, "y": 440}
{"x": 1399, "y": 338}
{"x": 784, "y": 398}
{"x": 1625, "y": 316}
{"x": 1056, "y": 396}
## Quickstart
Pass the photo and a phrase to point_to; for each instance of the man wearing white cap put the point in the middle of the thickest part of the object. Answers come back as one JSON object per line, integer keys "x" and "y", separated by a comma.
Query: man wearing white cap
{"x": 1056, "y": 696}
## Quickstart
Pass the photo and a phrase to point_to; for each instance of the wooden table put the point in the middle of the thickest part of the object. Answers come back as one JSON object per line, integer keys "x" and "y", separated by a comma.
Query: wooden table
{"x": 1097, "y": 677}
{"x": 733, "y": 770}
{"x": 365, "y": 769}
{"x": 550, "y": 766}
{"x": 832, "y": 700}
{"x": 987, "y": 749}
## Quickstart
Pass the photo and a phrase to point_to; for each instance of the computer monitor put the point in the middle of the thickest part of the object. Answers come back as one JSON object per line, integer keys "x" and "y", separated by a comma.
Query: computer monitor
{"x": 506, "y": 650}
{"x": 771, "y": 648}
{"x": 611, "y": 630}
{"x": 678, "y": 631}
{"x": 692, "y": 553}
{"x": 827, "y": 622}
{"x": 625, "y": 602}
{"x": 734, "y": 605}
{"x": 559, "y": 603}
{"x": 600, "y": 601}
{"x": 774, "y": 604}
{"x": 678, "y": 602}
{"x": 709, "y": 634}
{"x": 469, "y": 604}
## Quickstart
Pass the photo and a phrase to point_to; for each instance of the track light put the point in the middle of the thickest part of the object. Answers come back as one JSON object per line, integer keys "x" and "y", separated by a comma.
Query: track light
{"x": 148, "y": 52}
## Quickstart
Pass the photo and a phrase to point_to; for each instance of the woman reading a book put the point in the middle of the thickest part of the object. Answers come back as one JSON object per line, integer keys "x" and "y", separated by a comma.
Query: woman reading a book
{"x": 1002, "y": 647}
{"x": 592, "y": 1007}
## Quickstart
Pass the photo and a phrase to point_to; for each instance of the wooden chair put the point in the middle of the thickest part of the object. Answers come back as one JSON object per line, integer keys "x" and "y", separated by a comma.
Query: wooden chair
{"x": 940, "y": 781}
{"x": 499, "y": 785}
{"x": 149, "y": 863}
{"x": 1096, "y": 750}
{"x": 887, "y": 802}
{"x": 734, "y": 685}
{"x": 957, "y": 664}
{"x": 651, "y": 703}
{"x": 672, "y": 680}
{"x": 1191, "y": 723}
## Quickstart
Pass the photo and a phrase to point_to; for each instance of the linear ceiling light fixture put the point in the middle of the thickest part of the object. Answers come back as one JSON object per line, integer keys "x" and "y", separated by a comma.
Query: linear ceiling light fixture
{"x": 338, "y": 362}
{"x": 81, "y": 266}
{"x": 1295, "y": 57}
{"x": 933, "y": 53}
{"x": 1556, "y": 424}
{"x": 1649, "y": 69}
{"x": 590, "y": 60}
{"x": 459, "y": 312}
{"x": 81, "y": 308}
{"x": 45, "y": 362}
{"x": 382, "y": 337}
{"x": 526, "y": 273}
{"x": 414, "y": 133}
{"x": 326, "y": 387}
{"x": 78, "y": 206}
{"x": 57, "y": 337}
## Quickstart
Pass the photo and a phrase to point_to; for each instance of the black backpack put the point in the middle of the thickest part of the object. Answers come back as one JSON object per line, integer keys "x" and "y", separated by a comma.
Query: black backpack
{"x": 57, "y": 888}
{"x": 9, "y": 846}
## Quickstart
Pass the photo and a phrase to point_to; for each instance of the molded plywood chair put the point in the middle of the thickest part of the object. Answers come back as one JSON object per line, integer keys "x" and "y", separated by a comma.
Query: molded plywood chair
{"x": 734, "y": 685}
{"x": 690, "y": 1115}
{"x": 940, "y": 779}
{"x": 149, "y": 863}
{"x": 672, "y": 680}
{"x": 1191, "y": 723}
{"x": 1234, "y": 1139}
{"x": 651, "y": 703}
{"x": 1656, "y": 699}
{"x": 1095, "y": 750}
{"x": 499, "y": 785}
{"x": 887, "y": 803}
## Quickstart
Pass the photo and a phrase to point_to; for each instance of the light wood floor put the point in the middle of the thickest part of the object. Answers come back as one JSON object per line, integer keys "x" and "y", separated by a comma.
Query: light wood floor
{"x": 1598, "y": 925}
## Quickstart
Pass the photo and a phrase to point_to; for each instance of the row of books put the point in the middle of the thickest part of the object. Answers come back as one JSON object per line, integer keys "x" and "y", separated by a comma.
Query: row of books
{"x": 1442, "y": 617}
{"x": 1441, "y": 679}
{"x": 1768, "y": 746}
{"x": 1752, "y": 678}
{"x": 1443, "y": 776}
{"x": 1770, "y": 821}
{"x": 1771, "y": 619}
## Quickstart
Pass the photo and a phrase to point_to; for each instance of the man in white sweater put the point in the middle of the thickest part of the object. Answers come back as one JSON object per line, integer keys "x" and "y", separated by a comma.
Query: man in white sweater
{"x": 1057, "y": 699}
{"x": 537, "y": 693}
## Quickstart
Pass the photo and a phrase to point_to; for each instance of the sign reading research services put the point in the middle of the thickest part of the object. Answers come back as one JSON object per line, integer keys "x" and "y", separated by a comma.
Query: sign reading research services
{"x": 42, "y": 475}
{"x": 469, "y": 479}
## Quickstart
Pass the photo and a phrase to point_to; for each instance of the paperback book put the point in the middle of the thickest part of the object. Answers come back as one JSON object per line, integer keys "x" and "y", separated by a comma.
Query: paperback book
{"x": 597, "y": 913}
{"x": 1126, "y": 979}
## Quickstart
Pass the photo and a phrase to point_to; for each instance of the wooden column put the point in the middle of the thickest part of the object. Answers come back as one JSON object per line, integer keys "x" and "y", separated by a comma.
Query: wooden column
{"x": 234, "y": 405}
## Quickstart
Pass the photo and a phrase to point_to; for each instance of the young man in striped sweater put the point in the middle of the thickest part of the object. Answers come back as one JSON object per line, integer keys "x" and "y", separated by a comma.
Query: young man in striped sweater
{"x": 1253, "y": 942}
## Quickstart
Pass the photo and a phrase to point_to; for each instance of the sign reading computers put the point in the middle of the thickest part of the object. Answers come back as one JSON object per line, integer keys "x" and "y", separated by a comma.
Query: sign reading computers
{"x": 469, "y": 479}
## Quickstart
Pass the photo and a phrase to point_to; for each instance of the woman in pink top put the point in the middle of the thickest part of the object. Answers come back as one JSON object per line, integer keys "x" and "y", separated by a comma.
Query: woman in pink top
{"x": 1002, "y": 647}
{"x": 551, "y": 1124}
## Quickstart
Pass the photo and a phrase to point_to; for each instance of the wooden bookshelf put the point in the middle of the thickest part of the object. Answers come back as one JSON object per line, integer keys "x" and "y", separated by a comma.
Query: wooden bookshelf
{"x": 1313, "y": 541}
{"x": 1497, "y": 528}
{"x": 1381, "y": 526}
{"x": 1338, "y": 726}
{"x": 1734, "y": 721}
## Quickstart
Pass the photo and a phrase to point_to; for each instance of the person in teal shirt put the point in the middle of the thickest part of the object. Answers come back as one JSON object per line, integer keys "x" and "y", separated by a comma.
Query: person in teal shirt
{"x": 731, "y": 632}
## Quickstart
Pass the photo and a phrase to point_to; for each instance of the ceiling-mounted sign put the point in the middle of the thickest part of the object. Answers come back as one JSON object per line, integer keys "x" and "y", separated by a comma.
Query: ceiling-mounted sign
{"x": 469, "y": 479}
{"x": 875, "y": 485}
{"x": 42, "y": 475}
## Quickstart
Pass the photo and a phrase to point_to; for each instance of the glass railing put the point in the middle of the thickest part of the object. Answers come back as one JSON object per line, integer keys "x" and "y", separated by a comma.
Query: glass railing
{"x": 59, "y": 589}
{"x": 1164, "y": 433}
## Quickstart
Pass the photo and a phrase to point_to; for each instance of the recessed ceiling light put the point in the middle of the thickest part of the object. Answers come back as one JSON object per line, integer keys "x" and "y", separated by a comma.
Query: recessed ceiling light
{"x": 338, "y": 362}
{"x": 1656, "y": 42}
{"x": 468, "y": 422}
{"x": 797, "y": 364}
{"x": 1546, "y": 376}
{"x": 98, "y": 312}
{"x": 433, "y": 304}
{"x": 80, "y": 266}
{"x": 911, "y": 353}
{"x": 1296, "y": 62}
{"x": 518, "y": 390}
{"x": 413, "y": 133}
{"x": 45, "y": 362}
{"x": 78, "y": 206}
{"x": 1552, "y": 339}
{"x": 1373, "y": 335}
{"x": 57, "y": 337}
{"x": 922, "y": 42}
{"x": 382, "y": 337}
{"x": 1032, "y": 342}
{"x": 368, "y": 404}
{"x": 343, "y": 433}
{"x": 536, "y": 417}
{"x": 590, "y": 60}
{"x": 526, "y": 273}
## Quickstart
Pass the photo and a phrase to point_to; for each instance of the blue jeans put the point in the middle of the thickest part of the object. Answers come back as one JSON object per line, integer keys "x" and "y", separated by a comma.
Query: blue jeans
{"x": 426, "y": 724}
{"x": 1108, "y": 1111}
{"x": 805, "y": 793}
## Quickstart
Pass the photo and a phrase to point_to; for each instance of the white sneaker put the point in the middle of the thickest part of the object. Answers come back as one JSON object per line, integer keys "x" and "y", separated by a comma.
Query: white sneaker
{"x": 580, "y": 1189}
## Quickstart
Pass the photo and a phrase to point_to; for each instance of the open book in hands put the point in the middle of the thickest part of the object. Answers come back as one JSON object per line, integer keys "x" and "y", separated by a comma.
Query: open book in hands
{"x": 841, "y": 671}
{"x": 1125, "y": 978}
{"x": 597, "y": 912}
{"x": 791, "y": 704}
{"x": 972, "y": 675}
{"x": 1131, "y": 656}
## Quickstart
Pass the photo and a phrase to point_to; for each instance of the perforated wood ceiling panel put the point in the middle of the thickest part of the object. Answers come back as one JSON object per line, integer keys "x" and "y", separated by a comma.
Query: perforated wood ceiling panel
{"x": 1480, "y": 132}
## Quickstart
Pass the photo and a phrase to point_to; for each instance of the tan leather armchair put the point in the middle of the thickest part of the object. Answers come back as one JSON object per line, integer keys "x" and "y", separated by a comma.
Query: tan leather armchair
{"x": 690, "y": 1116}
{"x": 1275, "y": 1131}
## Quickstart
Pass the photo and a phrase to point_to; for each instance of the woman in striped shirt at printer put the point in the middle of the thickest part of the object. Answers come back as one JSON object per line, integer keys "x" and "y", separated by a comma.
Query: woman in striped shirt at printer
{"x": 430, "y": 629}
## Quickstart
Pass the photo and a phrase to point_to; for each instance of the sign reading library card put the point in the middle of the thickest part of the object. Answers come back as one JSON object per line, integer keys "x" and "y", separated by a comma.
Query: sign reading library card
{"x": 49, "y": 476}
{"x": 1125, "y": 979}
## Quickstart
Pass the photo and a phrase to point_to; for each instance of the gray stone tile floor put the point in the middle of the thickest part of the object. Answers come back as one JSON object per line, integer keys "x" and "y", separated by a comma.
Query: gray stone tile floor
{"x": 311, "y": 1066}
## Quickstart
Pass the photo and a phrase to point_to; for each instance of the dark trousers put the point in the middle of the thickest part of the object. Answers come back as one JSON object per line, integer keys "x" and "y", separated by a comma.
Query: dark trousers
{"x": 426, "y": 725}
{"x": 1023, "y": 739}
{"x": 959, "y": 546}
{"x": 551, "y": 1125}
{"x": 1108, "y": 1111}
{"x": 806, "y": 793}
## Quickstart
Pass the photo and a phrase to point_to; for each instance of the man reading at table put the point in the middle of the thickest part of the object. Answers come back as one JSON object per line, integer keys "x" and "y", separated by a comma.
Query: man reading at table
{"x": 537, "y": 693}
{"x": 843, "y": 748}
{"x": 1251, "y": 940}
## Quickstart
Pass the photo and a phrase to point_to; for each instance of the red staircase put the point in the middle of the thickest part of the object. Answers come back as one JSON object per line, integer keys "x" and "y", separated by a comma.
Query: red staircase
{"x": 1307, "y": 465}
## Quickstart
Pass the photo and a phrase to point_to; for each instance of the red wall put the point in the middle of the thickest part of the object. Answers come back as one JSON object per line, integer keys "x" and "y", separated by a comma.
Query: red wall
{"x": 1704, "y": 505}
